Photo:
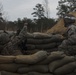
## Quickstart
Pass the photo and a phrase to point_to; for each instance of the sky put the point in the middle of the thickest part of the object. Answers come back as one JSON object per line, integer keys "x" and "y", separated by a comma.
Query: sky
{"x": 14, "y": 9}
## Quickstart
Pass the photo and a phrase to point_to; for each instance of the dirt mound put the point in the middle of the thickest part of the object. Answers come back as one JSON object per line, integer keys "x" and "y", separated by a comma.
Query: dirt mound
{"x": 59, "y": 27}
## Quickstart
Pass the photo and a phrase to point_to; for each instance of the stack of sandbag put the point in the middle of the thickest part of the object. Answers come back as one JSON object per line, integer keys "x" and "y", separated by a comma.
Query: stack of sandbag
{"x": 24, "y": 64}
{"x": 64, "y": 66}
{"x": 42, "y": 41}
{"x": 40, "y": 63}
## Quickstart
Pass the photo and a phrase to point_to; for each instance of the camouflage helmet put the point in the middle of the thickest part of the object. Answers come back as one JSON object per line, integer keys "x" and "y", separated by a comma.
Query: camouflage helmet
{"x": 69, "y": 19}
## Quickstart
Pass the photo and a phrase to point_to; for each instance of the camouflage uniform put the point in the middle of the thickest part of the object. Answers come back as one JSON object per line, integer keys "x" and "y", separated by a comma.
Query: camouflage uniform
{"x": 12, "y": 48}
{"x": 68, "y": 45}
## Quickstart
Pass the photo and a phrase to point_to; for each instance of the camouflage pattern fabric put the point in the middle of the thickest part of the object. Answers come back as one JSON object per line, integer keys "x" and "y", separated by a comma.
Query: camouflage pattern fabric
{"x": 68, "y": 45}
{"x": 11, "y": 48}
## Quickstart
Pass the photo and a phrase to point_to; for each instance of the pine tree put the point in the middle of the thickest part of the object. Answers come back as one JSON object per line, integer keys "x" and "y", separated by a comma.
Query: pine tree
{"x": 66, "y": 6}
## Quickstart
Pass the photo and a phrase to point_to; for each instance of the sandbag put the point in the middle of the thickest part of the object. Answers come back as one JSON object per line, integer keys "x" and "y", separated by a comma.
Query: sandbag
{"x": 10, "y": 67}
{"x": 6, "y": 59}
{"x": 30, "y": 47}
{"x": 36, "y": 50}
{"x": 41, "y": 46}
{"x": 8, "y": 73}
{"x": 57, "y": 38}
{"x": 34, "y": 41}
{"x": 36, "y": 68}
{"x": 42, "y": 41}
{"x": 41, "y": 35}
{"x": 38, "y": 35}
{"x": 58, "y": 43}
{"x": 51, "y": 50}
{"x": 46, "y": 46}
{"x": 66, "y": 69}
{"x": 29, "y": 35}
{"x": 58, "y": 63}
{"x": 52, "y": 57}
{"x": 31, "y": 59}
{"x": 36, "y": 73}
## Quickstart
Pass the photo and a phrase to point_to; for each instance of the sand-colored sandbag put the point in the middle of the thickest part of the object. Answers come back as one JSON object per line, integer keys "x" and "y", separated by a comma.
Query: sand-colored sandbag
{"x": 39, "y": 41}
{"x": 44, "y": 41}
{"x": 29, "y": 35}
{"x": 10, "y": 67}
{"x": 52, "y": 57}
{"x": 35, "y": 68}
{"x": 41, "y": 46}
{"x": 59, "y": 53}
{"x": 6, "y": 59}
{"x": 57, "y": 38}
{"x": 34, "y": 41}
{"x": 31, "y": 59}
{"x": 66, "y": 69}
{"x": 58, "y": 63}
{"x": 38, "y": 35}
{"x": 36, "y": 73}
{"x": 8, "y": 73}
{"x": 46, "y": 46}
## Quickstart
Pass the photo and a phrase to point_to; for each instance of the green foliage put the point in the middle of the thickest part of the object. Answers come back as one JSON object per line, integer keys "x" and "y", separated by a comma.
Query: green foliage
{"x": 36, "y": 25}
{"x": 1, "y": 13}
{"x": 2, "y": 21}
{"x": 38, "y": 11}
{"x": 39, "y": 24}
{"x": 42, "y": 23}
{"x": 65, "y": 6}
